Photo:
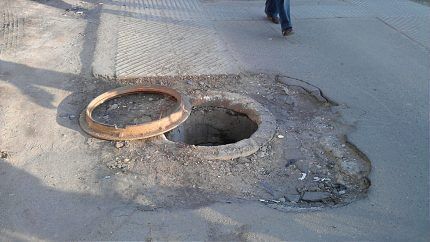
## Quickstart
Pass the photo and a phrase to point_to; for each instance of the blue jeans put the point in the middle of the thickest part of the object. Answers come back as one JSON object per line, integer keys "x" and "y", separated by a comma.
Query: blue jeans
{"x": 281, "y": 7}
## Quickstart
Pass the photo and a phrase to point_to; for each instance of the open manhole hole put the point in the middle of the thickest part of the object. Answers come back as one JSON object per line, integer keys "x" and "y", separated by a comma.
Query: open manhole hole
{"x": 212, "y": 126}
{"x": 224, "y": 126}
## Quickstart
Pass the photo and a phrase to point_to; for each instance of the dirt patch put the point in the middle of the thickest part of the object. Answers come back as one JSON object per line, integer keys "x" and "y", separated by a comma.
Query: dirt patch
{"x": 134, "y": 109}
{"x": 308, "y": 164}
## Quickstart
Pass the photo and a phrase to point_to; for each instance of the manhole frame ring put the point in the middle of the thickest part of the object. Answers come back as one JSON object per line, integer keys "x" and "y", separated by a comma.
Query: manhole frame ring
{"x": 138, "y": 131}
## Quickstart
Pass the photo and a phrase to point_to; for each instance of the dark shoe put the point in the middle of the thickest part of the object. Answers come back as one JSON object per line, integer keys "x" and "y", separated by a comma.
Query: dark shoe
{"x": 274, "y": 20}
{"x": 288, "y": 31}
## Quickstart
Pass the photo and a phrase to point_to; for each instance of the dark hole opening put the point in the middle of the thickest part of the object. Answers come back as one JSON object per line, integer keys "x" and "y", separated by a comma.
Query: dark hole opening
{"x": 212, "y": 126}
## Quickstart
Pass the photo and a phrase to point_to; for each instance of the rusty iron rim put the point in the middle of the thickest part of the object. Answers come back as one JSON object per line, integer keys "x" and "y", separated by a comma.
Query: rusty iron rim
{"x": 138, "y": 131}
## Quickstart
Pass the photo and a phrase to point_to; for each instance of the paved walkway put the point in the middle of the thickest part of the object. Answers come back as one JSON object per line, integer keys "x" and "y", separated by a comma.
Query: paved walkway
{"x": 369, "y": 55}
{"x": 156, "y": 38}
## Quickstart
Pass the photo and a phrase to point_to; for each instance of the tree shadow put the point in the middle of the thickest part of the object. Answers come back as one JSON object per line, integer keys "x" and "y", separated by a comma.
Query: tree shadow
{"x": 55, "y": 3}
{"x": 32, "y": 210}
{"x": 33, "y": 82}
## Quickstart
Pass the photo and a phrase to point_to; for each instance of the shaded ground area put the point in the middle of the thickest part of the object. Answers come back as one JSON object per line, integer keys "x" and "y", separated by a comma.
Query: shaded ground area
{"x": 427, "y": 2}
{"x": 213, "y": 126}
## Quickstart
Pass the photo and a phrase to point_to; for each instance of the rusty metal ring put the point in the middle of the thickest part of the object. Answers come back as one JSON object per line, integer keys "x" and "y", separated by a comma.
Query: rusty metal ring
{"x": 138, "y": 131}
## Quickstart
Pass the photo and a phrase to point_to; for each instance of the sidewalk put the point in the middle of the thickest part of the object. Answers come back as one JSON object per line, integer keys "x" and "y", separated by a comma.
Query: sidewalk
{"x": 369, "y": 56}
{"x": 151, "y": 38}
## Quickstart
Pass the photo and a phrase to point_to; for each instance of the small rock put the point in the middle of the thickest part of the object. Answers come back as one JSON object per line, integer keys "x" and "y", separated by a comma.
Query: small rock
{"x": 189, "y": 82}
{"x": 150, "y": 99}
{"x": 315, "y": 196}
{"x": 303, "y": 176}
{"x": 290, "y": 162}
{"x": 119, "y": 145}
{"x": 281, "y": 136}
{"x": 342, "y": 192}
{"x": 282, "y": 199}
{"x": 113, "y": 106}
{"x": 294, "y": 198}
{"x": 126, "y": 160}
{"x": 350, "y": 167}
{"x": 289, "y": 100}
{"x": 72, "y": 116}
{"x": 107, "y": 177}
{"x": 4, "y": 154}
{"x": 201, "y": 83}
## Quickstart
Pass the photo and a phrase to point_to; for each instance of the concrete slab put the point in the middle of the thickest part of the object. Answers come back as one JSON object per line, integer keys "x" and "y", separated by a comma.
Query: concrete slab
{"x": 160, "y": 38}
{"x": 382, "y": 76}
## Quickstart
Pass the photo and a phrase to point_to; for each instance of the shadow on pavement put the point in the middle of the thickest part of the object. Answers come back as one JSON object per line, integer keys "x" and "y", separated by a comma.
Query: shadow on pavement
{"x": 31, "y": 210}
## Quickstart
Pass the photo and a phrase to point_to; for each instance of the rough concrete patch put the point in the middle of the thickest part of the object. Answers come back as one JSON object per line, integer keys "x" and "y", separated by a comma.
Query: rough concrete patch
{"x": 175, "y": 175}
{"x": 105, "y": 52}
{"x": 11, "y": 30}
{"x": 313, "y": 90}
{"x": 352, "y": 165}
{"x": 134, "y": 109}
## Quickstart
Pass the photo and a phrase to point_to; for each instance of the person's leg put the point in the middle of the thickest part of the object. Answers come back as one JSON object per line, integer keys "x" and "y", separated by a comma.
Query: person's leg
{"x": 287, "y": 10}
{"x": 283, "y": 7}
{"x": 270, "y": 8}
{"x": 272, "y": 11}
{"x": 267, "y": 8}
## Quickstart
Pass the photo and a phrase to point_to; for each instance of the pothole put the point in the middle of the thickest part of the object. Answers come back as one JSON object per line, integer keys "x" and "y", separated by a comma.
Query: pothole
{"x": 212, "y": 126}
{"x": 273, "y": 140}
